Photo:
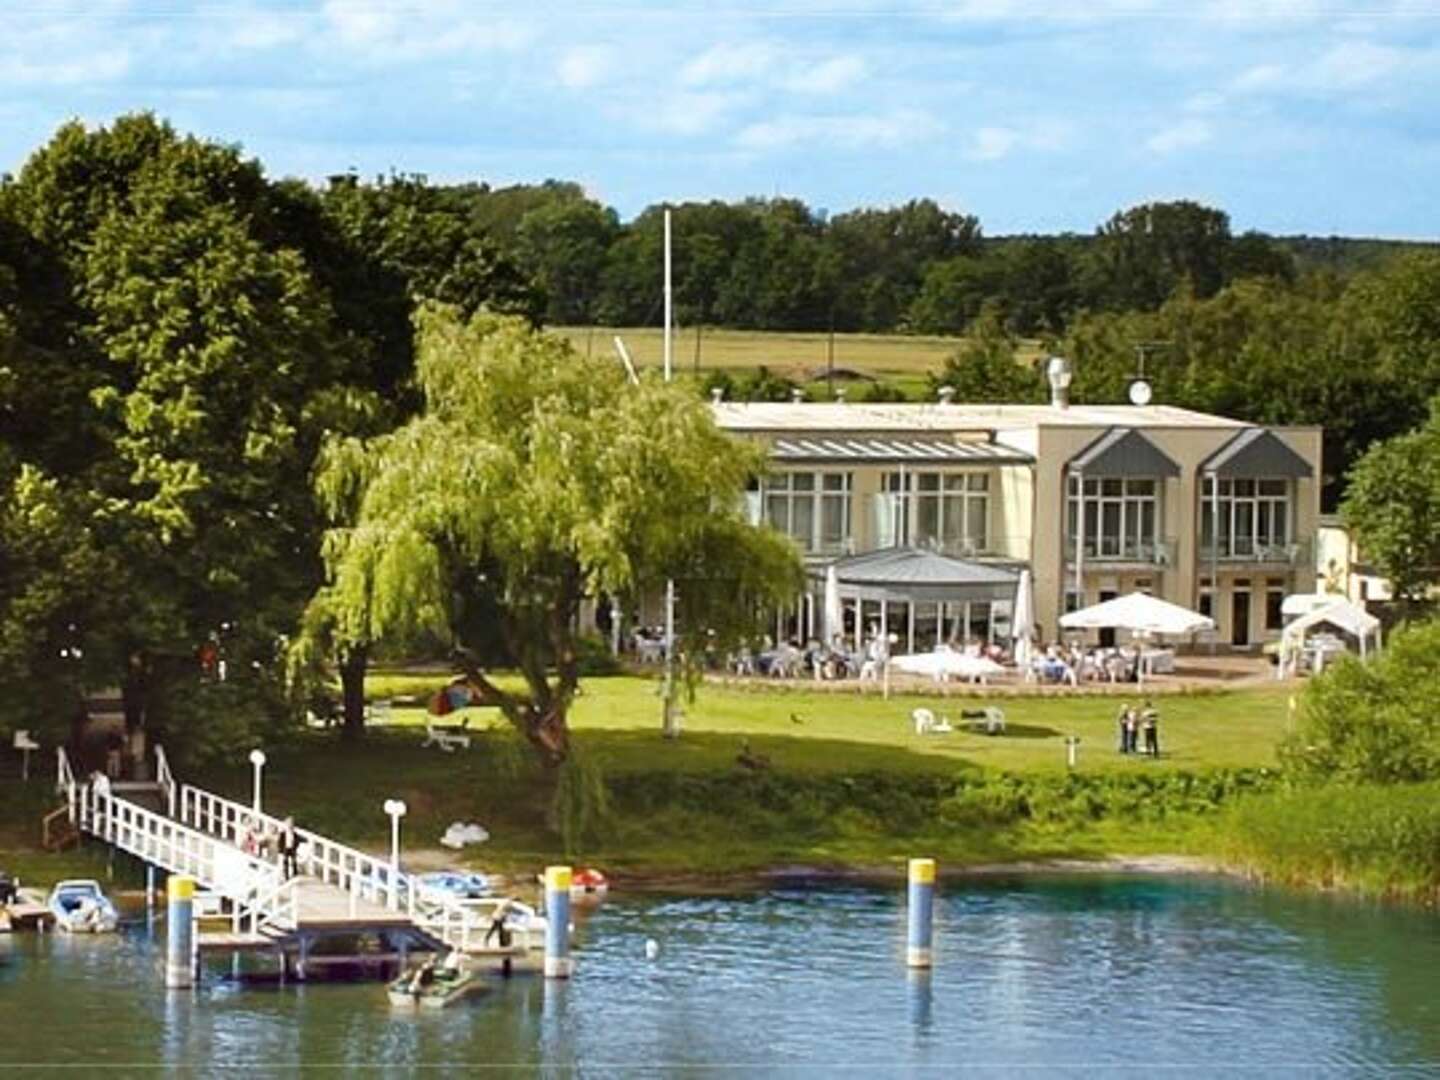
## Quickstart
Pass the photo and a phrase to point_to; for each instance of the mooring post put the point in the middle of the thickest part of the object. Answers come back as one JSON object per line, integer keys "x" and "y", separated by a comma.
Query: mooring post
{"x": 180, "y": 932}
{"x": 557, "y": 926}
{"x": 918, "y": 953}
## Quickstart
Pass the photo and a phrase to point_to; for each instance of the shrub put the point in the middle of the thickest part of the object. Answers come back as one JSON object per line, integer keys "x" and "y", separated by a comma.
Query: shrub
{"x": 1373, "y": 722}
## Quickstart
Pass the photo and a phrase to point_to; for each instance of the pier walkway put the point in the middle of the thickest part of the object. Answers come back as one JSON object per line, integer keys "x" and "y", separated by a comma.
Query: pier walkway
{"x": 338, "y": 890}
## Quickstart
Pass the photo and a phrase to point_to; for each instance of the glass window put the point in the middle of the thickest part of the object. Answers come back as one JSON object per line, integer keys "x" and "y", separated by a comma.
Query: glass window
{"x": 1274, "y": 617}
{"x": 1254, "y": 518}
{"x": 1122, "y": 516}
{"x": 813, "y": 509}
{"x": 950, "y": 510}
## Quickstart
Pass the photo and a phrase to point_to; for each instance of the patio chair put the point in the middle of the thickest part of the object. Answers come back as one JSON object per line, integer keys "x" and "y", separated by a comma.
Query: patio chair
{"x": 448, "y": 737}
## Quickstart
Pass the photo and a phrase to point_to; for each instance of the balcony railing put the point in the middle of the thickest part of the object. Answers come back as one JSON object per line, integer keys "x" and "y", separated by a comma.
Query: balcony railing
{"x": 1243, "y": 550}
{"x": 1101, "y": 549}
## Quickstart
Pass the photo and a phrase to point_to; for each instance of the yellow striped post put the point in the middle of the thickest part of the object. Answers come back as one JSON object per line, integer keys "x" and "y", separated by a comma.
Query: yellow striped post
{"x": 918, "y": 950}
{"x": 558, "y": 964}
{"x": 180, "y": 932}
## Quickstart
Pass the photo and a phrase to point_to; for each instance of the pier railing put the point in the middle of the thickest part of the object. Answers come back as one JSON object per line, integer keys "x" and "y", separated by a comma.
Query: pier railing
{"x": 363, "y": 876}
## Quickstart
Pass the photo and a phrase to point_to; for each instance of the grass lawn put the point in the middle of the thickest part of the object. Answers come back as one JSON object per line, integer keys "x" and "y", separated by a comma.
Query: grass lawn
{"x": 901, "y": 358}
{"x": 710, "y": 816}
{"x": 839, "y": 731}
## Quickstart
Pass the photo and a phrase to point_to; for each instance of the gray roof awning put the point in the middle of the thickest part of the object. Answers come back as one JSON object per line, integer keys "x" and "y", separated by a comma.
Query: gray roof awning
{"x": 1123, "y": 452}
{"x": 894, "y": 448}
{"x": 1256, "y": 453}
{"x": 921, "y": 574}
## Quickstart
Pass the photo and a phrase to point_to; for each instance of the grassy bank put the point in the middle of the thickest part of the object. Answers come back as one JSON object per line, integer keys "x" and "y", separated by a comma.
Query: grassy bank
{"x": 1381, "y": 841}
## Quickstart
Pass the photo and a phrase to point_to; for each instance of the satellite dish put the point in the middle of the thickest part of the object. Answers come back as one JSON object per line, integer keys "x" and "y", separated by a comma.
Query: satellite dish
{"x": 1140, "y": 392}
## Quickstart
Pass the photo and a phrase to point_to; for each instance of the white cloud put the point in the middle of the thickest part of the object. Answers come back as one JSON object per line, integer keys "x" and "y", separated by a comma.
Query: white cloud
{"x": 1203, "y": 102}
{"x": 420, "y": 29}
{"x": 686, "y": 113}
{"x": 1354, "y": 64}
{"x": 731, "y": 63}
{"x": 827, "y": 77}
{"x": 107, "y": 65}
{"x": 585, "y": 66}
{"x": 852, "y": 132}
{"x": 991, "y": 143}
{"x": 1182, "y": 136}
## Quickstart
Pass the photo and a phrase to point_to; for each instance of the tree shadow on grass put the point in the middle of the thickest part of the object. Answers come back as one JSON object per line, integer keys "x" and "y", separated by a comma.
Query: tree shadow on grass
{"x": 1027, "y": 731}
{"x": 642, "y": 751}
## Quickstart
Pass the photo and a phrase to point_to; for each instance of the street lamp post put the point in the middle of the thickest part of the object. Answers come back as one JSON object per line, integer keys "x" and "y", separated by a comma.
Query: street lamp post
{"x": 396, "y": 809}
{"x": 257, "y": 759}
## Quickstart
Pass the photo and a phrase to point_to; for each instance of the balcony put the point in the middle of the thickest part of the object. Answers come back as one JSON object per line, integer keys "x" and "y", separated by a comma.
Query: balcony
{"x": 1249, "y": 552}
{"x": 1114, "y": 550}
{"x": 893, "y": 524}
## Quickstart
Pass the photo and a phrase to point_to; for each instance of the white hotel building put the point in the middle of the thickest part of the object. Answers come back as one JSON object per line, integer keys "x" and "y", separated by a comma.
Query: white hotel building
{"x": 929, "y": 511}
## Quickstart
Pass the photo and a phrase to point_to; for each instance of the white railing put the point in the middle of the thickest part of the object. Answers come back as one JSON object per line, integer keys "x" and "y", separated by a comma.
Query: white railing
{"x": 363, "y": 876}
{"x": 218, "y": 867}
{"x": 275, "y": 905}
{"x": 165, "y": 778}
{"x": 65, "y": 778}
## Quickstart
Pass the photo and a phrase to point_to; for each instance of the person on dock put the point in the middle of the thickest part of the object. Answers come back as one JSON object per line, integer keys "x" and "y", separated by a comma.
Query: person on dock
{"x": 289, "y": 848}
{"x": 498, "y": 929}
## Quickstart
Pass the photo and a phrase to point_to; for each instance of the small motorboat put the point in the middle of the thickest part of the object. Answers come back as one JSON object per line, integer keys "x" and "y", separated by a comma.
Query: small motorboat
{"x": 80, "y": 906}
{"x": 588, "y": 886}
{"x": 434, "y": 986}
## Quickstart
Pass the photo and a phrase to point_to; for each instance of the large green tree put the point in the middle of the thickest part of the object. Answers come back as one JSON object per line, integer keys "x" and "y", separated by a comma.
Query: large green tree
{"x": 532, "y": 479}
{"x": 1392, "y": 504}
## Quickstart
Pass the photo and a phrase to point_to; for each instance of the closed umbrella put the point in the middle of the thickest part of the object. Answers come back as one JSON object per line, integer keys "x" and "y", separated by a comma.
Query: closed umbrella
{"x": 946, "y": 663}
{"x": 1022, "y": 622}
{"x": 834, "y": 613}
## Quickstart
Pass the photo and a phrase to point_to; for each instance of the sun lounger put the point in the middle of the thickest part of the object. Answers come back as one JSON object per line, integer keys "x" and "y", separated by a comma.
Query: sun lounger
{"x": 448, "y": 737}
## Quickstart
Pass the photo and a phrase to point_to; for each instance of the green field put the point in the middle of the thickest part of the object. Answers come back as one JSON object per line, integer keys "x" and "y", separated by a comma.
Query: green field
{"x": 902, "y": 359}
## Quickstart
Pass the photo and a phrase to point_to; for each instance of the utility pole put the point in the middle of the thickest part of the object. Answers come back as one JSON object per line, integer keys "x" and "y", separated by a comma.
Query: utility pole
{"x": 669, "y": 718}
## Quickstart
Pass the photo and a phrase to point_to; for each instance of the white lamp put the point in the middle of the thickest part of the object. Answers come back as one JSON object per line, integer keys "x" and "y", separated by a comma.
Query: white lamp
{"x": 396, "y": 809}
{"x": 257, "y": 759}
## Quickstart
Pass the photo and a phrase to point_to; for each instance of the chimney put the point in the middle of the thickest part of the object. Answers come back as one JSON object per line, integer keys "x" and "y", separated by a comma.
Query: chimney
{"x": 717, "y": 395}
{"x": 1057, "y": 370}
{"x": 947, "y": 395}
{"x": 797, "y": 395}
{"x": 840, "y": 395}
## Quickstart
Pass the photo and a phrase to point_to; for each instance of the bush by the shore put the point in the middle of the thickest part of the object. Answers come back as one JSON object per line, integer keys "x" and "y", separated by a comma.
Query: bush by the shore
{"x": 1378, "y": 840}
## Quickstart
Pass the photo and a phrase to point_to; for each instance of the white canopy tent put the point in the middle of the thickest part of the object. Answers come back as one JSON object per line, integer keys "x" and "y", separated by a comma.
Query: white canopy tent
{"x": 1339, "y": 613}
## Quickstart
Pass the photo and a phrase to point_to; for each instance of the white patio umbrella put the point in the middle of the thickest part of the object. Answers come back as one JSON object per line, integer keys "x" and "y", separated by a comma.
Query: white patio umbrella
{"x": 1138, "y": 612}
{"x": 834, "y": 613}
{"x": 1022, "y": 622}
{"x": 1141, "y": 614}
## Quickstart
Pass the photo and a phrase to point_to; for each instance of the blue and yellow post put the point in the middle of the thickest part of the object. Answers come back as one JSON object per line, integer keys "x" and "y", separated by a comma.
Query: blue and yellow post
{"x": 180, "y": 932}
{"x": 557, "y": 926}
{"x": 918, "y": 951}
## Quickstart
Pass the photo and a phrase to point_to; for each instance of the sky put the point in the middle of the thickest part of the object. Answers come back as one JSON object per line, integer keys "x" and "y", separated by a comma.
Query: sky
{"x": 1294, "y": 116}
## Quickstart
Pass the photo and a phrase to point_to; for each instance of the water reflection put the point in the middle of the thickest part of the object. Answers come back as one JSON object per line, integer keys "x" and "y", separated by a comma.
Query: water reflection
{"x": 1119, "y": 973}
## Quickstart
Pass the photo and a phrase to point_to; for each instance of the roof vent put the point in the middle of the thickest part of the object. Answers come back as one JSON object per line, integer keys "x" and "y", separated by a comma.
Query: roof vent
{"x": 717, "y": 395}
{"x": 797, "y": 395}
{"x": 947, "y": 395}
{"x": 1057, "y": 370}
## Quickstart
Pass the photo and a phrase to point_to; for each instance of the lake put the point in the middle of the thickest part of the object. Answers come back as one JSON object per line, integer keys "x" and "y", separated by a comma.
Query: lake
{"x": 1078, "y": 972}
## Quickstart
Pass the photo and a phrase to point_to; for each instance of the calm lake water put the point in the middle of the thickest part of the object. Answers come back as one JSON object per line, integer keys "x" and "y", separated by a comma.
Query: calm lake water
{"x": 1044, "y": 974}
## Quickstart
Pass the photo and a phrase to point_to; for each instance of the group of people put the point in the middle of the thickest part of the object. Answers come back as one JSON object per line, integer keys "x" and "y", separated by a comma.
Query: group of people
{"x": 1074, "y": 663}
{"x": 1139, "y": 726}
{"x": 269, "y": 843}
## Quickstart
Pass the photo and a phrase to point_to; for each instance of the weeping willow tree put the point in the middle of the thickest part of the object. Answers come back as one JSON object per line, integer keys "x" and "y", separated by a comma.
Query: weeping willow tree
{"x": 534, "y": 478}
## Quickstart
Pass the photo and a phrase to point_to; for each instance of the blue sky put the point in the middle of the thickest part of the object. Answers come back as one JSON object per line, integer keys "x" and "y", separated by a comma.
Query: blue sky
{"x": 1294, "y": 116}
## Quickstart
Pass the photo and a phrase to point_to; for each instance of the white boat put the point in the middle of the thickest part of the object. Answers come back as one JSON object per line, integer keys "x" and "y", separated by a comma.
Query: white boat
{"x": 434, "y": 986}
{"x": 80, "y": 906}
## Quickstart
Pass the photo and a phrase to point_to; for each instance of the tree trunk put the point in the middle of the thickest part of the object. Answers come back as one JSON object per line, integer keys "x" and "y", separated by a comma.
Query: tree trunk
{"x": 548, "y": 732}
{"x": 352, "y": 690}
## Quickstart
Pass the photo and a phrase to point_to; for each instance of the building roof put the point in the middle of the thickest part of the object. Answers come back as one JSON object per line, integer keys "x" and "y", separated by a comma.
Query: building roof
{"x": 1254, "y": 453}
{"x": 894, "y": 448}
{"x": 861, "y": 419}
{"x": 1123, "y": 452}
{"x": 921, "y": 574}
